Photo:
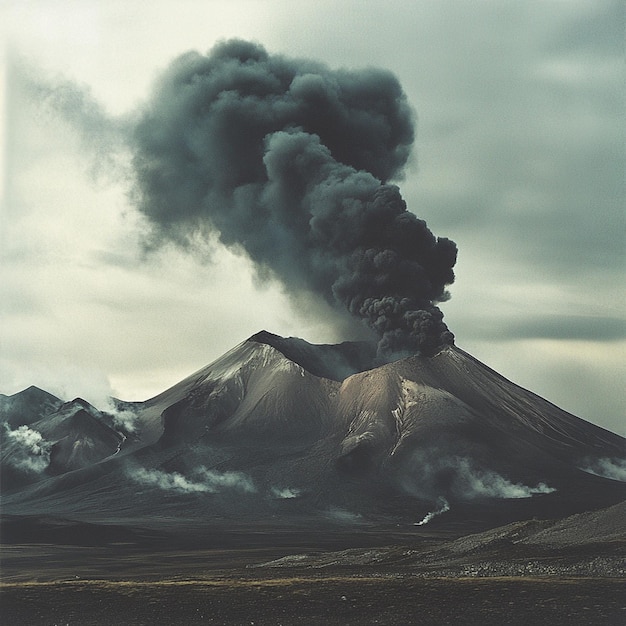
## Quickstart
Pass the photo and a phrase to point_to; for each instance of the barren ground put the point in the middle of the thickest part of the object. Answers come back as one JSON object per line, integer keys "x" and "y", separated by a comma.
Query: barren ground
{"x": 318, "y": 600}
{"x": 225, "y": 580}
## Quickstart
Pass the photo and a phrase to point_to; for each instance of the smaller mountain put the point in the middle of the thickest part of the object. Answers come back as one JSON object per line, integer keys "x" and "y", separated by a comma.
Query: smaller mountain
{"x": 27, "y": 406}
{"x": 74, "y": 436}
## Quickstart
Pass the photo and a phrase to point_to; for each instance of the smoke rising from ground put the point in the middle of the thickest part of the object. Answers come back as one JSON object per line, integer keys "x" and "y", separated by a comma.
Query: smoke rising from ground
{"x": 432, "y": 472}
{"x": 203, "y": 480}
{"x": 286, "y": 493}
{"x": 289, "y": 162}
{"x": 27, "y": 449}
{"x": 480, "y": 483}
{"x": 442, "y": 507}
{"x": 615, "y": 469}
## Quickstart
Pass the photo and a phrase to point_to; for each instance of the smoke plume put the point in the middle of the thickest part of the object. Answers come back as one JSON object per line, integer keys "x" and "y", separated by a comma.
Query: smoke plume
{"x": 442, "y": 507}
{"x": 290, "y": 162}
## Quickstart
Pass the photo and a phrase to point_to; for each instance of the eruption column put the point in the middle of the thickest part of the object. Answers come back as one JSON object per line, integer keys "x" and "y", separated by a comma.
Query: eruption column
{"x": 290, "y": 162}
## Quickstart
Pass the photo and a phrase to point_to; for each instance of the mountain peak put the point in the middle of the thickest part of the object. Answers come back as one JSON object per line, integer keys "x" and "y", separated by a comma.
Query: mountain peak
{"x": 332, "y": 361}
{"x": 27, "y": 406}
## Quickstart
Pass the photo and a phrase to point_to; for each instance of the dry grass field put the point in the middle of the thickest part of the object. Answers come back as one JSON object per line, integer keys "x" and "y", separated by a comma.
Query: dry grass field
{"x": 328, "y": 599}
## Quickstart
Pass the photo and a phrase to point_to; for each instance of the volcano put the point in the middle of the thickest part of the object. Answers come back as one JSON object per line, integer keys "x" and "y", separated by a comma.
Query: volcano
{"x": 280, "y": 430}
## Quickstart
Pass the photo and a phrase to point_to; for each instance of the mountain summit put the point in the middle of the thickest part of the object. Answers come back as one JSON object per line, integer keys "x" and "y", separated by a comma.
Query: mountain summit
{"x": 281, "y": 427}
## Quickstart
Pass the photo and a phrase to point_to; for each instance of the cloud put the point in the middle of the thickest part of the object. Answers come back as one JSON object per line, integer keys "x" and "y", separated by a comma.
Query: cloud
{"x": 562, "y": 327}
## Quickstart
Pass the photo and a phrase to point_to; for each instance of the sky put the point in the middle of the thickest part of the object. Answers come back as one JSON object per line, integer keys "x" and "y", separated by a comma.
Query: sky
{"x": 519, "y": 157}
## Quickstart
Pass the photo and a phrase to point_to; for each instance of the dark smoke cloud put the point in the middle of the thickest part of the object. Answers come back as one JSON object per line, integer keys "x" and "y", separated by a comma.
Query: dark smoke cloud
{"x": 290, "y": 162}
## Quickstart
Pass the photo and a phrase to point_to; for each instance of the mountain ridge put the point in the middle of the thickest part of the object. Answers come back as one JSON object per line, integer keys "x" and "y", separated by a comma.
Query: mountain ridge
{"x": 257, "y": 433}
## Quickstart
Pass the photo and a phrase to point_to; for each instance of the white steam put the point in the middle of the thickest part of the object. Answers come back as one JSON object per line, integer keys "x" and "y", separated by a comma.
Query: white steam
{"x": 169, "y": 481}
{"x": 203, "y": 480}
{"x": 125, "y": 420}
{"x": 286, "y": 493}
{"x": 615, "y": 469}
{"x": 443, "y": 506}
{"x": 29, "y": 451}
{"x": 479, "y": 483}
{"x": 227, "y": 480}
{"x": 433, "y": 473}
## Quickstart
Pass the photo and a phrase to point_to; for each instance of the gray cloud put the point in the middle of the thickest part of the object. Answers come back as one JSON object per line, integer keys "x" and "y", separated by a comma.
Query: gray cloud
{"x": 557, "y": 327}
{"x": 536, "y": 146}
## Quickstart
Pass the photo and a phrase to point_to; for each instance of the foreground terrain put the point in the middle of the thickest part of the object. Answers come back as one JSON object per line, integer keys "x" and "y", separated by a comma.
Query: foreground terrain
{"x": 568, "y": 571}
{"x": 318, "y": 600}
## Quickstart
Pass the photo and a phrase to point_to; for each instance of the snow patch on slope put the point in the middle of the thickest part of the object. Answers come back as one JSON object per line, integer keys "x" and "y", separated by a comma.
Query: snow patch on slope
{"x": 410, "y": 395}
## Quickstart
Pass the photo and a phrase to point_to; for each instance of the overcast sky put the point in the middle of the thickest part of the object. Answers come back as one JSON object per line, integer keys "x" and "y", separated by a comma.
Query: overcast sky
{"x": 519, "y": 158}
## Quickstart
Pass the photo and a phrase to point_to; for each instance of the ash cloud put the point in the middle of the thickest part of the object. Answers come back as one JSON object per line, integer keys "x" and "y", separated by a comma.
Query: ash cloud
{"x": 290, "y": 163}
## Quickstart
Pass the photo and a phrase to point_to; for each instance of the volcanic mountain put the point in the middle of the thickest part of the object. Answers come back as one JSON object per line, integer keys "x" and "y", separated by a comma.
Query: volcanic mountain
{"x": 280, "y": 429}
